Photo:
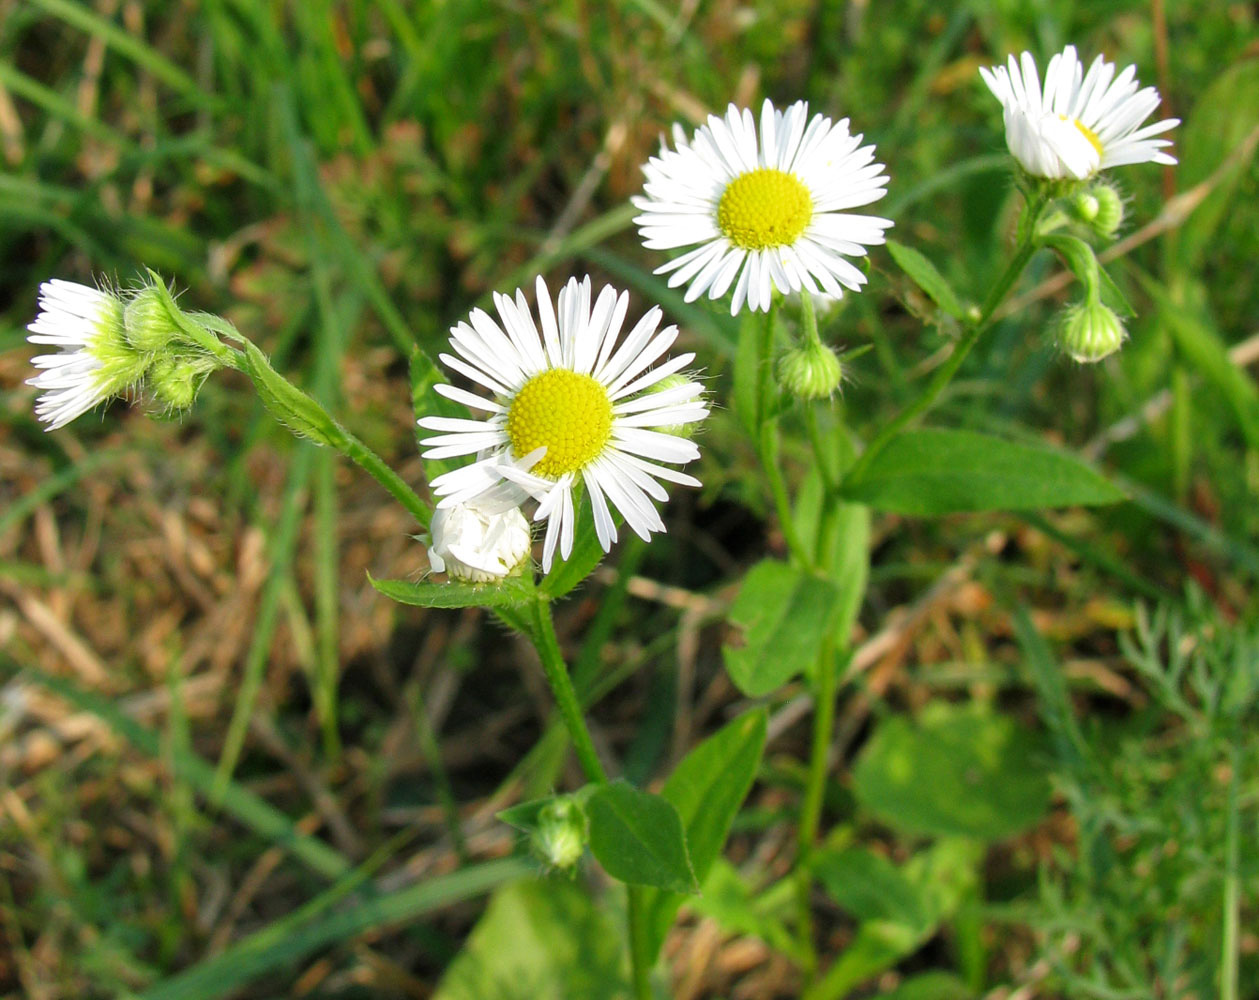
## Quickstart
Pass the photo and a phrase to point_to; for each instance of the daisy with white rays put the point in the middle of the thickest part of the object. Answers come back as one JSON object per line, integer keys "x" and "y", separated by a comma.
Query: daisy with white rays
{"x": 768, "y": 212}
{"x": 1078, "y": 123}
{"x": 94, "y": 361}
{"x": 569, "y": 403}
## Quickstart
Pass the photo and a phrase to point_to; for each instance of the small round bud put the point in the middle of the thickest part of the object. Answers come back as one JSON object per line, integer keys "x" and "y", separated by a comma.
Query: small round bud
{"x": 1085, "y": 206}
{"x": 560, "y": 836}
{"x": 150, "y": 328}
{"x": 1090, "y": 331}
{"x": 175, "y": 381}
{"x": 1109, "y": 215}
{"x": 810, "y": 371}
{"x": 674, "y": 383}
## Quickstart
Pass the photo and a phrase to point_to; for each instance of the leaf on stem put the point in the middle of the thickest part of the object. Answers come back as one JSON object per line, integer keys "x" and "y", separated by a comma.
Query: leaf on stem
{"x": 923, "y": 273}
{"x": 784, "y": 614}
{"x": 949, "y": 471}
{"x": 510, "y": 593}
{"x": 638, "y": 838}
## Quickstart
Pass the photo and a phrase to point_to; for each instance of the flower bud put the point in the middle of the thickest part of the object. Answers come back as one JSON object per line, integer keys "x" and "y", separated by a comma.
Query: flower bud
{"x": 150, "y": 328}
{"x": 810, "y": 371}
{"x": 560, "y": 836}
{"x": 1109, "y": 215}
{"x": 1090, "y": 331}
{"x": 476, "y": 544}
{"x": 677, "y": 383}
{"x": 1085, "y": 206}
{"x": 175, "y": 381}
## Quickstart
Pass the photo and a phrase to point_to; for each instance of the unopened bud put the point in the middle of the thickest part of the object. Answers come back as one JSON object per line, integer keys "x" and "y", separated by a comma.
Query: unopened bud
{"x": 1109, "y": 210}
{"x": 678, "y": 383}
{"x": 810, "y": 371}
{"x": 175, "y": 381}
{"x": 150, "y": 328}
{"x": 1090, "y": 331}
{"x": 560, "y": 836}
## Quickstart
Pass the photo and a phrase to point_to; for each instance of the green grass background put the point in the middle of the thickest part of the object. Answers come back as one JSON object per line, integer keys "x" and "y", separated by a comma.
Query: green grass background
{"x": 213, "y": 732}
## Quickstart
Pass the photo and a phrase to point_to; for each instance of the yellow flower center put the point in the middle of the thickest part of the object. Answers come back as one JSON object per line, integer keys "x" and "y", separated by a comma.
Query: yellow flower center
{"x": 764, "y": 208}
{"x": 567, "y": 412}
{"x": 1087, "y": 132}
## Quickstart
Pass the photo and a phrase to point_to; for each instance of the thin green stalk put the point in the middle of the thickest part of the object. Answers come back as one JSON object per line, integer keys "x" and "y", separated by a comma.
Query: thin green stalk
{"x": 1232, "y": 893}
{"x": 548, "y": 647}
{"x": 767, "y": 439}
{"x": 944, "y": 374}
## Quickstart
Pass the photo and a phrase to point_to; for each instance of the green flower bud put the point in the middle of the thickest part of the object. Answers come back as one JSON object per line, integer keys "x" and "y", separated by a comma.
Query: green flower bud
{"x": 671, "y": 382}
{"x": 175, "y": 381}
{"x": 1109, "y": 215}
{"x": 1085, "y": 206}
{"x": 810, "y": 371}
{"x": 1090, "y": 331}
{"x": 560, "y": 836}
{"x": 149, "y": 325}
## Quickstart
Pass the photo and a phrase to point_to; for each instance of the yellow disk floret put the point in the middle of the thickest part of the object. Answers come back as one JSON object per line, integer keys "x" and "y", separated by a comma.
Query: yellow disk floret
{"x": 1088, "y": 133}
{"x": 567, "y": 412}
{"x": 764, "y": 208}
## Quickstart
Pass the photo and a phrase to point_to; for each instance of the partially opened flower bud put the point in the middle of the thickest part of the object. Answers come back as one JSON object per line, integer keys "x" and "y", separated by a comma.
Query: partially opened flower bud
{"x": 810, "y": 371}
{"x": 1090, "y": 331}
{"x": 477, "y": 544}
{"x": 148, "y": 323}
{"x": 560, "y": 836}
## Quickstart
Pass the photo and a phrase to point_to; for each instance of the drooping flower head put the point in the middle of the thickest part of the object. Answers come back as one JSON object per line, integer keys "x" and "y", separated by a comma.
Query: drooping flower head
{"x": 1078, "y": 123}
{"x": 95, "y": 361}
{"x": 478, "y": 543}
{"x": 768, "y": 211}
{"x": 569, "y": 404}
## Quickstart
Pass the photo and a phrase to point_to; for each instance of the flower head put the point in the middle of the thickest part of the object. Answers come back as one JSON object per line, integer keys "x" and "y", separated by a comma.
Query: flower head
{"x": 1090, "y": 331}
{"x": 95, "y": 361}
{"x": 567, "y": 405}
{"x": 766, "y": 212}
{"x": 478, "y": 543}
{"x": 810, "y": 370}
{"x": 1078, "y": 123}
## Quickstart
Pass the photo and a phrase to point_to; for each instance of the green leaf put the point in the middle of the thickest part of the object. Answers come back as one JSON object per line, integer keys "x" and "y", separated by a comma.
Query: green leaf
{"x": 1205, "y": 350}
{"x": 946, "y": 471}
{"x": 784, "y": 614}
{"x": 287, "y": 403}
{"x": 740, "y": 908}
{"x": 931, "y": 986}
{"x": 512, "y": 592}
{"x": 539, "y": 939}
{"x": 707, "y": 788}
{"x": 1219, "y": 123}
{"x": 638, "y": 838}
{"x": 961, "y": 771}
{"x": 869, "y": 886}
{"x": 924, "y": 274}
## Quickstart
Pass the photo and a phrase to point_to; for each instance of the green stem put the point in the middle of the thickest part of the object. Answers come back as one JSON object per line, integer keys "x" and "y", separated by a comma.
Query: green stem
{"x": 553, "y": 666}
{"x": 944, "y": 374}
{"x": 825, "y": 684}
{"x": 367, "y": 460}
{"x": 767, "y": 439}
{"x": 1232, "y": 893}
{"x": 548, "y": 647}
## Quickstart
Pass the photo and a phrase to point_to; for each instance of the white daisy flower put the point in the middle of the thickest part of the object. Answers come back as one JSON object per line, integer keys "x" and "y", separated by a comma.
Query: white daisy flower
{"x": 767, "y": 213}
{"x": 568, "y": 404}
{"x": 477, "y": 543}
{"x": 95, "y": 361}
{"x": 1078, "y": 123}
